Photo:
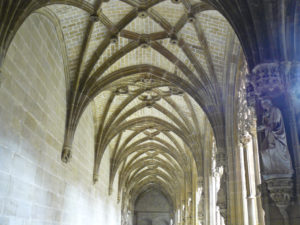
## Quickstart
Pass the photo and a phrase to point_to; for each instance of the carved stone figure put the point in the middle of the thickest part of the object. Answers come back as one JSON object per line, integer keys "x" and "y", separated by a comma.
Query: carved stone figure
{"x": 275, "y": 155}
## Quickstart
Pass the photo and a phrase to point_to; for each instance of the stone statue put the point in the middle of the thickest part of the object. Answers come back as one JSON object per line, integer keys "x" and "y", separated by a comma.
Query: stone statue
{"x": 274, "y": 150}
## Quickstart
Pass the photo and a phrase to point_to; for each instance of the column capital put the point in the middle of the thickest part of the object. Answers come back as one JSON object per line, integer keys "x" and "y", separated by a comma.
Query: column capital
{"x": 245, "y": 139}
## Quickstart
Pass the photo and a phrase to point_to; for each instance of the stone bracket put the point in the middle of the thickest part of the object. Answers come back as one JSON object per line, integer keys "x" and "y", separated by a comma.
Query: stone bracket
{"x": 281, "y": 192}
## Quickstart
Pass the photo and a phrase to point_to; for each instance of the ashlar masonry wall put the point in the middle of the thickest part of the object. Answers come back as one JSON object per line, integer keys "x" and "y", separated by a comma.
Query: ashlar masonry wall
{"x": 36, "y": 188}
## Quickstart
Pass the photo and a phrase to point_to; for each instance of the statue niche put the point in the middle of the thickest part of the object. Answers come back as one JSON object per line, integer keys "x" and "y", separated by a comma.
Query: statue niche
{"x": 275, "y": 156}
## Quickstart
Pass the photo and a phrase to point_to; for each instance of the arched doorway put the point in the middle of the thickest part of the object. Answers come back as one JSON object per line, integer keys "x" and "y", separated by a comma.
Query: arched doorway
{"x": 152, "y": 208}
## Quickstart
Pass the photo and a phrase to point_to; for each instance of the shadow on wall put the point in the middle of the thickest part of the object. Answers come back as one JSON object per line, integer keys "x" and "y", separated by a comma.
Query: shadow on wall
{"x": 152, "y": 208}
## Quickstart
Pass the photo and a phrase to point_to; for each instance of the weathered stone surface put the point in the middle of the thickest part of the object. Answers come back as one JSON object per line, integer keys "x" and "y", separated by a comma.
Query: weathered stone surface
{"x": 35, "y": 187}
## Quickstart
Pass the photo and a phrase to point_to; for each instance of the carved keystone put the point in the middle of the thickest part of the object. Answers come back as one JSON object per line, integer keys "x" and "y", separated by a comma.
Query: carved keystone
{"x": 142, "y": 13}
{"x": 191, "y": 18}
{"x": 94, "y": 18}
{"x": 113, "y": 39}
{"x": 173, "y": 39}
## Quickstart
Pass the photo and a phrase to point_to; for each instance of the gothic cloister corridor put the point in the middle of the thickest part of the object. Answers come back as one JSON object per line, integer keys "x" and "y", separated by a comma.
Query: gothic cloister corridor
{"x": 149, "y": 112}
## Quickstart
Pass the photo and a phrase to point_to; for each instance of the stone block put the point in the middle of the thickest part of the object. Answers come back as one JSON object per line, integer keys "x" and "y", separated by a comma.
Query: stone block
{"x": 10, "y": 207}
{"x": 4, "y": 220}
{"x": 23, "y": 169}
{"x": 5, "y": 160}
{"x": 5, "y": 184}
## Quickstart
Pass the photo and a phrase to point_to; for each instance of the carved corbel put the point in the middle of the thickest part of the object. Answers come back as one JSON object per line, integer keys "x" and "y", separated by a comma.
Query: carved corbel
{"x": 66, "y": 153}
{"x": 281, "y": 192}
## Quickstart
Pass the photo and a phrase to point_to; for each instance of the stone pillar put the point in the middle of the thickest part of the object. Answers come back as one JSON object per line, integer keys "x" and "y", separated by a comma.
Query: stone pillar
{"x": 260, "y": 212}
{"x": 200, "y": 203}
{"x": 250, "y": 195}
{"x": 293, "y": 93}
{"x": 189, "y": 209}
{"x": 266, "y": 84}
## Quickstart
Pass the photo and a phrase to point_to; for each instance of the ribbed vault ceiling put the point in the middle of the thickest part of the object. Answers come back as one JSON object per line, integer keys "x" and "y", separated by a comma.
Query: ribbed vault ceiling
{"x": 152, "y": 71}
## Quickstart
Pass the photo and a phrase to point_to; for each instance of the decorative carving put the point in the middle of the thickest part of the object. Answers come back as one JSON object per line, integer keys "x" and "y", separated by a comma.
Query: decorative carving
{"x": 250, "y": 96}
{"x": 173, "y": 39}
{"x": 191, "y": 18}
{"x": 150, "y": 98}
{"x": 113, "y": 39}
{"x": 121, "y": 90}
{"x": 265, "y": 80}
{"x": 222, "y": 202}
{"x": 245, "y": 139}
{"x": 281, "y": 192}
{"x": 94, "y": 18}
{"x": 274, "y": 150}
{"x": 66, "y": 154}
{"x": 144, "y": 44}
{"x": 142, "y": 13}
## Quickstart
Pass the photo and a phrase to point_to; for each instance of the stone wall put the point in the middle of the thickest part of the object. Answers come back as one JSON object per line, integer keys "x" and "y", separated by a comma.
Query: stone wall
{"x": 35, "y": 186}
{"x": 152, "y": 208}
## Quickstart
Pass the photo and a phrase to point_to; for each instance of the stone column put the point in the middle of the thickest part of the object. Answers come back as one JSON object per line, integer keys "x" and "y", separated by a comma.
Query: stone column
{"x": 250, "y": 195}
{"x": 266, "y": 83}
{"x": 189, "y": 208}
{"x": 293, "y": 93}
{"x": 200, "y": 203}
{"x": 260, "y": 213}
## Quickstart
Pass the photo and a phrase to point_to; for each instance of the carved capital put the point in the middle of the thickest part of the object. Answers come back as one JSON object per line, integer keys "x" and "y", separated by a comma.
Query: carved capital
{"x": 245, "y": 139}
